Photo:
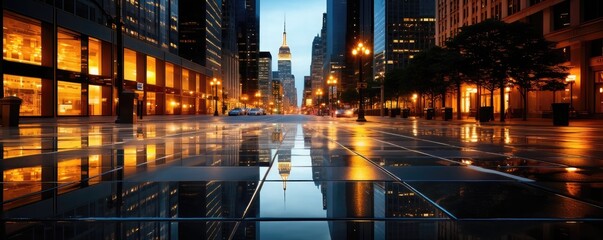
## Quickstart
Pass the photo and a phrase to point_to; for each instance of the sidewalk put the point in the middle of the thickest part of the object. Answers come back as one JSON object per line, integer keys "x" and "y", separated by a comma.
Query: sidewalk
{"x": 544, "y": 122}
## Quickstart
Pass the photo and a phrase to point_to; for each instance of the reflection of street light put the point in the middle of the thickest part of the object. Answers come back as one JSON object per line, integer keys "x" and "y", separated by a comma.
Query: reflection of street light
{"x": 360, "y": 51}
{"x": 332, "y": 82}
{"x": 318, "y": 100}
{"x": 571, "y": 79}
{"x": 214, "y": 83}
{"x": 244, "y": 99}
{"x": 257, "y": 98}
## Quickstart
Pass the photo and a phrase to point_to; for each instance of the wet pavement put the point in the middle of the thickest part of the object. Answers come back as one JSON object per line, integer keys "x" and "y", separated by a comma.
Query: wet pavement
{"x": 301, "y": 177}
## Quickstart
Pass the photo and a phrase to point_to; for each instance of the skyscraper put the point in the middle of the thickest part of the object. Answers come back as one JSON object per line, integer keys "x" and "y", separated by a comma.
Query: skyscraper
{"x": 248, "y": 39}
{"x": 402, "y": 29}
{"x": 230, "y": 55}
{"x": 287, "y": 79}
{"x": 200, "y": 33}
{"x": 265, "y": 78}
{"x": 316, "y": 68}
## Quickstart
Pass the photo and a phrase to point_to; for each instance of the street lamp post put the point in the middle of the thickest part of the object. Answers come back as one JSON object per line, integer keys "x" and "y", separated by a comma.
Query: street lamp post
{"x": 258, "y": 96}
{"x": 571, "y": 79}
{"x": 214, "y": 83}
{"x": 332, "y": 82}
{"x": 359, "y": 52}
{"x": 319, "y": 100}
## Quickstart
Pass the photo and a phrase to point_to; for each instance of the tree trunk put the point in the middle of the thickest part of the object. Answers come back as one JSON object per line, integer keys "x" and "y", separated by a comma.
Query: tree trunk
{"x": 502, "y": 101}
{"x": 458, "y": 101}
{"x": 525, "y": 104}
{"x": 492, "y": 104}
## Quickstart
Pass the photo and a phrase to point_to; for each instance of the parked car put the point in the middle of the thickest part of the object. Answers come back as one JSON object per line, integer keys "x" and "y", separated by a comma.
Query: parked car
{"x": 256, "y": 111}
{"x": 235, "y": 112}
{"x": 344, "y": 112}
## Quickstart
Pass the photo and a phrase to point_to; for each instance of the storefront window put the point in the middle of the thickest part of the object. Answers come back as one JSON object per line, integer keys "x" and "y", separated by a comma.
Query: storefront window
{"x": 94, "y": 56}
{"x": 22, "y": 40}
{"x": 69, "y": 51}
{"x": 197, "y": 82}
{"x": 129, "y": 65}
{"x": 28, "y": 89}
{"x": 169, "y": 75}
{"x": 20, "y": 182}
{"x": 151, "y": 79}
{"x": 185, "y": 79}
{"x": 69, "y": 170}
{"x": 95, "y": 100}
{"x": 69, "y": 98}
{"x": 171, "y": 104}
{"x": 151, "y": 102}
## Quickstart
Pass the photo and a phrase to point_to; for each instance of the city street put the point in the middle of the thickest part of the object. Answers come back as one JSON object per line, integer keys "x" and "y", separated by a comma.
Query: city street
{"x": 301, "y": 177}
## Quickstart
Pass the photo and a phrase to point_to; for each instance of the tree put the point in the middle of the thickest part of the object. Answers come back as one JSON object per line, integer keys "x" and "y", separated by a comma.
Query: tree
{"x": 554, "y": 86}
{"x": 484, "y": 47}
{"x": 349, "y": 95}
{"x": 430, "y": 70}
{"x": 506, "y": 54}
{"x": 534, "y": 60}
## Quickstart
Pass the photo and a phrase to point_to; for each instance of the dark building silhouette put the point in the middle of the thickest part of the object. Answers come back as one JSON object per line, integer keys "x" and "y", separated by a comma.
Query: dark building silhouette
{"x": 200, "y": 32}
{"x": 248, "y": 39}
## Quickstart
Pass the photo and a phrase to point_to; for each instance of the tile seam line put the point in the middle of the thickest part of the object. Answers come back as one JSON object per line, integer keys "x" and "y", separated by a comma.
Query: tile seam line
{"x": 393, "y": 176}
{"x": 256, "y": 191}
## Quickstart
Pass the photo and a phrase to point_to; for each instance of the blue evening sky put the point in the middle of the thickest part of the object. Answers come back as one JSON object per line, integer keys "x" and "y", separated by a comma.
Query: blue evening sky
{"x": 304, "y": 21}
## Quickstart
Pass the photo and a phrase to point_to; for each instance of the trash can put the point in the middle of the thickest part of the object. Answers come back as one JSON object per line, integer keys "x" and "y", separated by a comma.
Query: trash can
{"x": 447, "y": 114}
{"x": 429, "y": 113}
{"x": 485, "y": 114}
{"x": 405, "y": 113}
{"x": 561, "y": 114}
{"x": 394, "y": 112}
{"x": 128, "y": 102}
{"x": 10, "y": 111}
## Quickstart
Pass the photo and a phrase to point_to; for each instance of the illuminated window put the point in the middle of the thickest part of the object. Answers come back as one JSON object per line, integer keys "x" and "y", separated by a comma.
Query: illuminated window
{"x": 19, "y": 182}
{"x": 151, "y": 101}
{"x": 198, "y": 82}
{"x": 68, "y": 171}
{"x": 95, "y": 100}
{"x": 69, "y": 98}
{"x": 151, "y": 72}
{"x": 22, "y": 40}
{"x": 185, "y": 79}
{"x": 129, "y": 65}
{"x": 169, "y": 75}
{"x": 171, "y": 103}
{"x": 28, "y": 89}
{"x": 69, "y": 51}
{"x": 94, "y": 56}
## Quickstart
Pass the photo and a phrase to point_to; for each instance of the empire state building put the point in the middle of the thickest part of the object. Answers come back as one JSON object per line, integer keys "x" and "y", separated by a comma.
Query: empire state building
{"x": 287, "y": 79}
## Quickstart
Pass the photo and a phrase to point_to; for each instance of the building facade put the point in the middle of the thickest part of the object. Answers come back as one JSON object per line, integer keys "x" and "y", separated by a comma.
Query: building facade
{"x": 575, "y": 26}
{"x": 248, "y": 39}
{"x": 59, "y": 61}
{"x": 401, "y": 30}
{"x": 265, "y": 79}
{"x": 287, "y": 79}
{"x": 230, "y": 56}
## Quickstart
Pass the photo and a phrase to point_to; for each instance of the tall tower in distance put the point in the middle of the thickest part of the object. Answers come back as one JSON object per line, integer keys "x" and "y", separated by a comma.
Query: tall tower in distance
{"x": 287, "y": 79}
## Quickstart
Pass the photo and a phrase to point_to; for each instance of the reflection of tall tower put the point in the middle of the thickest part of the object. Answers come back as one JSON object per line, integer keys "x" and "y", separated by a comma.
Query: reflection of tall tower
{"x": 284, "y": 69}
{"x": 284, "y": 168}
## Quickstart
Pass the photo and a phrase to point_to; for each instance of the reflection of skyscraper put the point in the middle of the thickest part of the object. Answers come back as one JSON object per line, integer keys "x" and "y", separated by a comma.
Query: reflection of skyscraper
{"x": 284, "y": 167}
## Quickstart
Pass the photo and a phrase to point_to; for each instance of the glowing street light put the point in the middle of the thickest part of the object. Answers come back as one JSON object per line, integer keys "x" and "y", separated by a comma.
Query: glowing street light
{"x": 359, "y": 52}
{"x": 332, "y": 82}
{"x": 214, "y": 83}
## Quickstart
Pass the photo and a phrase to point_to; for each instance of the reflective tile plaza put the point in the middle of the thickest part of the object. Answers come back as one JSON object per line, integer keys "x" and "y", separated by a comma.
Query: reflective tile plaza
{"x": 300, "y": 177}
